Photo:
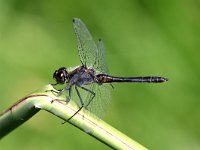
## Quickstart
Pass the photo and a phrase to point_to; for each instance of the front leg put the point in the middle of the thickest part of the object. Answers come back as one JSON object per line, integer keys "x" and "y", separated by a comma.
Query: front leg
{"x": 68, "y": 87}
{"x": 61, "y": 91}
{"x": 53, "y": 91}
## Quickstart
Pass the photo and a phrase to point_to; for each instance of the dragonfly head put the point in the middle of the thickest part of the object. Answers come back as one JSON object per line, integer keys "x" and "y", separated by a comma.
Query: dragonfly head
{"x": 61, "y": 75}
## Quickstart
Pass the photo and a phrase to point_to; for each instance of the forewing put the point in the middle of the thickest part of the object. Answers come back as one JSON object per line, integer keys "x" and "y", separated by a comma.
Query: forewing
{"x": 95, "y": 57}
{"x": 87, "y": 48}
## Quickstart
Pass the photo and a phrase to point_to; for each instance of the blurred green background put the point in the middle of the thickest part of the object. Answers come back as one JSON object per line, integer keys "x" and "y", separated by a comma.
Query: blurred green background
{"x": 142, "y": 38}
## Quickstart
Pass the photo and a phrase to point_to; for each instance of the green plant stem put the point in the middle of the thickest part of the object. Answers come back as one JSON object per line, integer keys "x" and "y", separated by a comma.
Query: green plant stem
{"x": 84, "y": 120}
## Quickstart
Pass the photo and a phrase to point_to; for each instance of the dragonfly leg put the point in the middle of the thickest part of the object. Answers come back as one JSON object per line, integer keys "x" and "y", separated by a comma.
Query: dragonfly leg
{"x": 53, "y": 91}
{"x": 82, "y": 104}
{"x": 70, "y": 93}
{"x": 63, "y": 90}
{"x": 111, "y": 85}
{"x": 60, "y": 92}
{"x": 53, "y": 84}
{"x": 93, "y": 95}
{"x": 79, "y": 95}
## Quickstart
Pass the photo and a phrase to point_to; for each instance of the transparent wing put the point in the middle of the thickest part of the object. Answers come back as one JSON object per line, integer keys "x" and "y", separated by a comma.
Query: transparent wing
{"x": 95, "y": 57}
{"x": 87, "y": 48}
{"x": 102, "y": 98}
{"x": 101, "y": 62}
{"x": 101, "y": 101}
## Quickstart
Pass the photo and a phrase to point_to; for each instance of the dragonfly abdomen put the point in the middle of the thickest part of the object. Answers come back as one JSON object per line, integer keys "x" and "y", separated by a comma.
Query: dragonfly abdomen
{"x": 102, "y": 78}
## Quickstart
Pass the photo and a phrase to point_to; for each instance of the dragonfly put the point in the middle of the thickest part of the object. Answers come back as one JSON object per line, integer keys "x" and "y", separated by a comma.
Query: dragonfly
{"x": 92, "y": 75}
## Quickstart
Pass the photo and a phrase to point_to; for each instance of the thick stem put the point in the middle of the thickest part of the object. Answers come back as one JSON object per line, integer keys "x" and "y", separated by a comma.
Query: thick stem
{"x": 84, "y": 120}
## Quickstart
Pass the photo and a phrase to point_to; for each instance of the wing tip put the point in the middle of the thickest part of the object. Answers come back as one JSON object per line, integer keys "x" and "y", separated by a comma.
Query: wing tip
{"x": 75, "y": 20}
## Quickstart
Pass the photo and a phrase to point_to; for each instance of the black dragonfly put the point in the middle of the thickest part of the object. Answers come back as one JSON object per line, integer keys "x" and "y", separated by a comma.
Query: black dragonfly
{"x": 92, "y": 75}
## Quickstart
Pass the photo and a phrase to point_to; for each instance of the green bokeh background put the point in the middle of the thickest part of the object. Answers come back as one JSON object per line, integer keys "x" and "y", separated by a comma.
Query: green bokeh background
{"x": 142, "y": 38}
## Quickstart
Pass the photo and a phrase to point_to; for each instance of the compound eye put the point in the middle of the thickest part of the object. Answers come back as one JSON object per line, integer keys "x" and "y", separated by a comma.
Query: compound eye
{"x": 60, "y": 75}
